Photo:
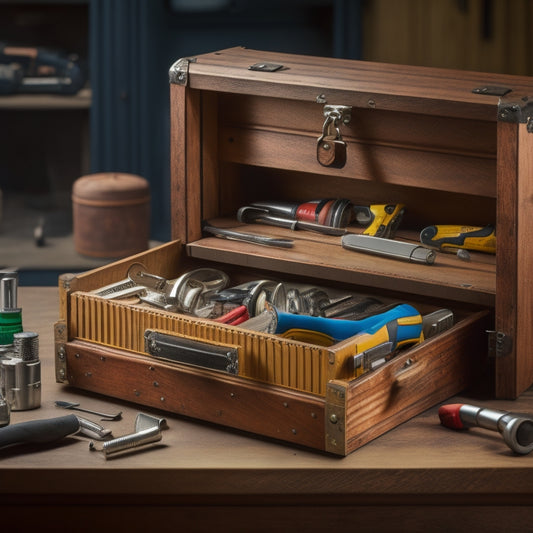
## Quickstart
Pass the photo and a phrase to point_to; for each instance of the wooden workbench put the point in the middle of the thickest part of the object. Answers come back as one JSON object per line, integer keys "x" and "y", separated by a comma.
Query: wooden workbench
{"x": 418, "y": 477}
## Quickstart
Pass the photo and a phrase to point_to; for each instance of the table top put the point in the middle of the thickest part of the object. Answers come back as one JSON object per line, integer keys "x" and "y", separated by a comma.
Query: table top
{"x": 420, "y": 457}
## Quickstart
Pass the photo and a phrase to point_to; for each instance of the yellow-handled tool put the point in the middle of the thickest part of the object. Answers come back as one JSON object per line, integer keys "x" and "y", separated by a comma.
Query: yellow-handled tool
{"x": 450, "y": 238}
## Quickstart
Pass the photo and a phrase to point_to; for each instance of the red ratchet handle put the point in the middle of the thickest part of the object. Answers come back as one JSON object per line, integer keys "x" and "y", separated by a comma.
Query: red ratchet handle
{"x": 235, "y": 316}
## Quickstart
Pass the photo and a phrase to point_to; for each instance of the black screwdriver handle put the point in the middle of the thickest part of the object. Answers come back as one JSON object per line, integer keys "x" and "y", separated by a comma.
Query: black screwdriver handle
{"x": 39, "y": 431}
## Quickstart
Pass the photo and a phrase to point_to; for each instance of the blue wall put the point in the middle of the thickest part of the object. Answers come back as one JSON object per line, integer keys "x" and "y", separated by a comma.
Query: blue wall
{"x": 134, "y": 42}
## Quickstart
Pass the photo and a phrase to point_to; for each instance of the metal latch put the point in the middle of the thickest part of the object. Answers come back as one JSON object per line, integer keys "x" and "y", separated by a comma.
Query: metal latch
{"x": 179, "y": 71}
{"x": 331, "y": 149}
{"x": 266, "y": 67}
{"x": 492, "y": 90}
{"x": 500, "y": 344}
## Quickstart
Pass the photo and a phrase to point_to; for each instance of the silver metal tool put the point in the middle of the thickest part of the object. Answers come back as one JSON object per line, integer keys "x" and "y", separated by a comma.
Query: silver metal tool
{"x": 20, "y": 381}
{"x": 402, "y": 251}
{"x": 76, "y": 407}
{"x": 437, "y": 322}
{"x": 248, "y": 237}
{"x": 140, "y": 276}
{"x": 119, "y": 289}
{"x": 147, "y": 431}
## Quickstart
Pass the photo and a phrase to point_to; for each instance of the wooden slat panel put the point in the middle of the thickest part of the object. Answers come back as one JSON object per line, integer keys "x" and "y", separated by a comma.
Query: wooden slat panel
{"x": 407, "y": 166}
{"x": 432, "y": 133}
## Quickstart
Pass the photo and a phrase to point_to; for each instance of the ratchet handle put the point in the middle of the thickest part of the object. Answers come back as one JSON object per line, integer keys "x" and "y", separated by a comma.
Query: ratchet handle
{"x": 39, "y": 431}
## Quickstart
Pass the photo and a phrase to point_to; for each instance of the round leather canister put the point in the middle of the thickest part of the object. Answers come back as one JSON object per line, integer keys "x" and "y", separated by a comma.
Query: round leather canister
{"x": 110, "y": 214}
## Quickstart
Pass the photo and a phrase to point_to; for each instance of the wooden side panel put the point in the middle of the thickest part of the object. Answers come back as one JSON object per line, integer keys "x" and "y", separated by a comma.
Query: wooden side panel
{"x": 185, "y": 161}
{"x": 524, "y": 336}
{"x": 210, "y": 396}
{"x": 507, "y": 256}
{"x": 178, "y": 159}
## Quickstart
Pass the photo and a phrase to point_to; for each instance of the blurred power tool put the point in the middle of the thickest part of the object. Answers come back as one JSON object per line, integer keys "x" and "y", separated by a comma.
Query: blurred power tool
{"x": 328, "y": 331}
{"x": 36, "y": 70}
{"x": 516, "y": 428}
{"x": 381, "y": 220}
{"x": 451, "y": 238}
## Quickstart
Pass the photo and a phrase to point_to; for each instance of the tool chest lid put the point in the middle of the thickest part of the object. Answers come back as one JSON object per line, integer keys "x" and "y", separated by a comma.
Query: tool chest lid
{"x": 423, "y": 90}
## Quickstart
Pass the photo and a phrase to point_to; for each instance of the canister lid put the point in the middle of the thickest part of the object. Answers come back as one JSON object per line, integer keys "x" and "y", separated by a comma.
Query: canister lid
{"x": 110, "y": 186}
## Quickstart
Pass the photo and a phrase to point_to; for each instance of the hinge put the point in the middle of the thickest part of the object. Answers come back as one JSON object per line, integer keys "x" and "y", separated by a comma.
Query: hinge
{"x": 492, "y": 90}
{"x": 500, "y": 344}
{"x": 179, "y": 71}
{"x": 517, "y": 110}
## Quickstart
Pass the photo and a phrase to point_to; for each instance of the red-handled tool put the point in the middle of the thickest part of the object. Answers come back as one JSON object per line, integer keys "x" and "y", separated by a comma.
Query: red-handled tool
{"x": 515, "y": 428}
{"x": 235, "y": 316}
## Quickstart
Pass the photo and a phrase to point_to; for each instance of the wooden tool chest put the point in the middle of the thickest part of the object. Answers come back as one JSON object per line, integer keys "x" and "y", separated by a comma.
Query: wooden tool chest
{"x": 246, "y": 126}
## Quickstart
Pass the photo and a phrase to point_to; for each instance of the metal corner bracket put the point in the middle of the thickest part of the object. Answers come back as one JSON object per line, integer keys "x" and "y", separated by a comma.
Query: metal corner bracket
{"x": 518, "y": 110}
{"x": 179, "y": 71}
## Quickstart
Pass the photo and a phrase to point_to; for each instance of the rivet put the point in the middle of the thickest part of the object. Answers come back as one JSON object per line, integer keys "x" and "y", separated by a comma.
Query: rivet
{"x": 313, "y": 415}
{"x": 371, "y": 103}
{"x": 294, "y": 431}
{"x": 333, "y": 419}
{"x": 285, "y": 404}
{"x": 162, "y": 398}
{"x": 156, "y": 384}
{"x": 77, "y": 356}
{"x": 102, "y": 358}
{"x": 136, "y": 392}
